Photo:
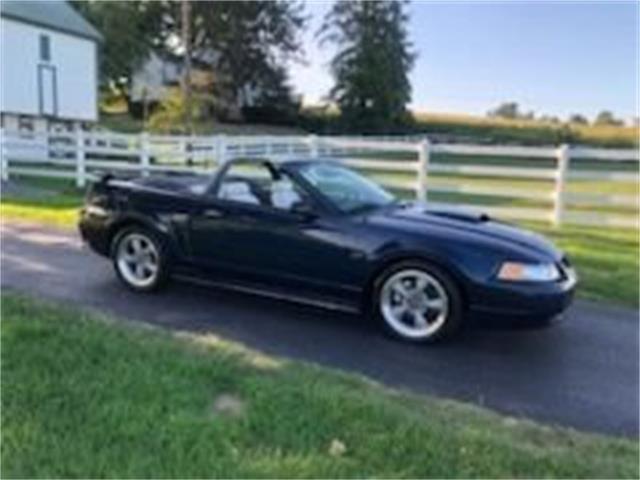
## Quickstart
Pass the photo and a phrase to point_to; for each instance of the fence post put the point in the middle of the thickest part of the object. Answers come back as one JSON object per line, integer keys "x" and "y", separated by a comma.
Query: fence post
{"x": 185, "y": 148}
{"x": 145, "y": 157}
{"x": 313, "y": 146}
{"x": 562, "y": 157}
{"x": 424, "y": 148}
{"x": 221, "y": 153}
{"x": 81, "y": 168}
{"x": 4, "y": 161}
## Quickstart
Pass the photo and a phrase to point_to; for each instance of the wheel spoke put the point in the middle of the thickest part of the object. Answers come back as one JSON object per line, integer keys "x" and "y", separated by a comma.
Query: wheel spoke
{"x": 151, "y": 266}
{"x": 139, "y": 270}
{"x": 400, "y": 289}
{"x": 418, "y": 319}
{"x": 136, "y": 245}
{"x": 435, "y": 304}
{"x": 128, "y": 257}
{"x": 421, "y": 283}
{"x": 399, "y": 311}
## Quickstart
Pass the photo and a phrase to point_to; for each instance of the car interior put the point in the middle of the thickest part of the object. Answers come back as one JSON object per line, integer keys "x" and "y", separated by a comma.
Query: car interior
{"x": 258, "y": 185}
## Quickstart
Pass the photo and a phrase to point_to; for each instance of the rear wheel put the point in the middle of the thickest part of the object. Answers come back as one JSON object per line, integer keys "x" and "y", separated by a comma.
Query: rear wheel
{"x": 139, "y": 259}
{"x": 417, "y": 302}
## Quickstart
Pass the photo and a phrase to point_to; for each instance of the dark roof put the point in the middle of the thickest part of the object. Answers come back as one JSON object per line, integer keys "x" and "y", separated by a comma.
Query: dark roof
{"x": 53, "y": 14}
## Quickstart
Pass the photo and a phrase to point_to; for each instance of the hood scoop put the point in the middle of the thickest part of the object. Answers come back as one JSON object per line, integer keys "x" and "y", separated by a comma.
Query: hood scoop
{"x": 453, "y": 212}
{"x": 464, "y": 216}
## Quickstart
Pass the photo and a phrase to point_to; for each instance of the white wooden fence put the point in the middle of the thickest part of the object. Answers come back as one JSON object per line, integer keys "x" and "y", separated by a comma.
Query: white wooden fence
{"x": 405, "y": 165}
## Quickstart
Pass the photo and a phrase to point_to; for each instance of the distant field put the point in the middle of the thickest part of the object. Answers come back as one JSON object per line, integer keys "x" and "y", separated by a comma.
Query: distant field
{"x": 531, "y": 132}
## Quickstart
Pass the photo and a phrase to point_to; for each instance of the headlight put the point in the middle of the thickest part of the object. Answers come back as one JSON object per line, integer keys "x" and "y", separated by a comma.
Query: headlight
{"x": 528, "y": 272}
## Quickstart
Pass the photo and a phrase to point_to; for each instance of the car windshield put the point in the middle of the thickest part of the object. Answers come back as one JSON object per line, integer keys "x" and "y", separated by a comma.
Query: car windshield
{"x": 349, "y": 191}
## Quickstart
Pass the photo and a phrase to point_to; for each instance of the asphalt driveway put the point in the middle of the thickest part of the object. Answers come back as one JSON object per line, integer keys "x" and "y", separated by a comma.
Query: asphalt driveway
{"x": 581, "y": 373}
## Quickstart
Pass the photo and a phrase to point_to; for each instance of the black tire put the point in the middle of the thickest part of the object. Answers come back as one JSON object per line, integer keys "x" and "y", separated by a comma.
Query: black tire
{"x": 163, "y": 259}
{"x": 456, "y": 307}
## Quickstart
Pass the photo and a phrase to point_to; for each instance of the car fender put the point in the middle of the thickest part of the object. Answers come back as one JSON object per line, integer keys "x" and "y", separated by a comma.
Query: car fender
{"x": 156, "y": 224}
{"x": 389, "y": 258}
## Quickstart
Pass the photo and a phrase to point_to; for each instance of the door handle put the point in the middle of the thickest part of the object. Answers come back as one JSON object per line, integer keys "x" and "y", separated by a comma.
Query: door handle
{"x": 212, "y": 213}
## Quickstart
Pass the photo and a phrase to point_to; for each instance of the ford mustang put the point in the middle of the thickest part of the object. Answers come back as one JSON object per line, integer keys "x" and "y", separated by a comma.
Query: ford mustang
{"x": 314, "y": 231}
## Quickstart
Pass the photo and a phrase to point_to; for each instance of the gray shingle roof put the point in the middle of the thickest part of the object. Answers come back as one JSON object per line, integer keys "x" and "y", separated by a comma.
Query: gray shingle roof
{"x": 54, "y": 14}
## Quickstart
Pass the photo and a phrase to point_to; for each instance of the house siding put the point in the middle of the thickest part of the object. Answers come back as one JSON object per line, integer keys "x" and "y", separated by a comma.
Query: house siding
{"x": 74, "y": 60}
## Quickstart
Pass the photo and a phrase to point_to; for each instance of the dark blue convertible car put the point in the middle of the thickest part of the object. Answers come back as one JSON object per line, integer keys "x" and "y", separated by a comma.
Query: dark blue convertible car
{"x": 317, "y": 232}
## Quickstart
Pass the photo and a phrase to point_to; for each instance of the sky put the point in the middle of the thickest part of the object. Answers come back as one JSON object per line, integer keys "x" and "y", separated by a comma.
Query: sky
{"x": 552, "y": 57}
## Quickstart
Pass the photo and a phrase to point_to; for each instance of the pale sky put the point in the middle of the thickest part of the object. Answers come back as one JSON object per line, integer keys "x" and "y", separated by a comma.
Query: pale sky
{"x": 553, "y": 57}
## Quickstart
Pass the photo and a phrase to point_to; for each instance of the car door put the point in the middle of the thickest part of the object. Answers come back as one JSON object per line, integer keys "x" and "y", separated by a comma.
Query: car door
{"x": 263, "y": 236}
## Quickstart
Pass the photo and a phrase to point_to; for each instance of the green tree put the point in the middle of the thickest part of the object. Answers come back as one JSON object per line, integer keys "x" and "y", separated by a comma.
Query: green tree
{"x": 252, "y": 42}
{"x": 130, "y": 29}
{"x": 372, "y": 63}
{"x": 578, "y": 119}
{"x": 605, "y": 117}
{"x": 510, "y": 110}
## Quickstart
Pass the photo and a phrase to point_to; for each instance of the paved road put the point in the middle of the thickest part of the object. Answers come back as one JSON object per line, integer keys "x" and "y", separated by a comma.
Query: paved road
{"x": 582, "y": 372}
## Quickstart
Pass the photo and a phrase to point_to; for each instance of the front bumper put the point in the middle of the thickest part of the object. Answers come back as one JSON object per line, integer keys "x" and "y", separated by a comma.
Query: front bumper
{"x": 525, "y": 300}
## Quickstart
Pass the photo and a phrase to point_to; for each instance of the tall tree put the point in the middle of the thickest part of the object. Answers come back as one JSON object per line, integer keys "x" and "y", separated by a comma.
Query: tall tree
{"x": 186, "y": 77}
{"x": 372, "y": 64}
{"x": 130, "y": 30}
{"x": 251, "y": 42}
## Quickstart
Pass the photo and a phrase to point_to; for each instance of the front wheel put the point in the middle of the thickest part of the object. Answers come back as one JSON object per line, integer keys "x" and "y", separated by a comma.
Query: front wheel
{"x": 417, "y": 302}
{"x": 139, "y": 259}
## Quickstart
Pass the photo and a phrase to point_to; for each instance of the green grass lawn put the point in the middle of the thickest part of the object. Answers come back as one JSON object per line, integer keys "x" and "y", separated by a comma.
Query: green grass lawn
{"x": 607, "y": 259}
{"x": 86, "y": 396}
{"x": 61, "y": 211}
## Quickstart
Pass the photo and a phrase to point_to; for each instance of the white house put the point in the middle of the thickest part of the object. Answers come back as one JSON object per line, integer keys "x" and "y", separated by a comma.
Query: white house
{"x": 48, "y": 66}
{"x": 152, "y": 81}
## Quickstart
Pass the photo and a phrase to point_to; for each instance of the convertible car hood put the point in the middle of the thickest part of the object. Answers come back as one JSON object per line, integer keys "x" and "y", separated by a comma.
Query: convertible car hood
{"x": 426, "y": 216}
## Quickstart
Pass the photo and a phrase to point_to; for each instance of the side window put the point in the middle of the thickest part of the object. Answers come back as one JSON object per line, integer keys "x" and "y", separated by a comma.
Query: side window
{"x": 45, "y": 48}
{"x": 254, "y": 184}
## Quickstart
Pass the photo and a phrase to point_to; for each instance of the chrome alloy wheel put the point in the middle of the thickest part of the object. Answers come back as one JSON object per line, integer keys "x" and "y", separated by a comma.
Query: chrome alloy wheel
{"x": 414, "y": 303}
{"x": 138, "y": 260}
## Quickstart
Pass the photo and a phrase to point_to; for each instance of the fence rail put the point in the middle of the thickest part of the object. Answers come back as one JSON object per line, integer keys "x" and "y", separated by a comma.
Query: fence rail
{"x": 408, "y": 165}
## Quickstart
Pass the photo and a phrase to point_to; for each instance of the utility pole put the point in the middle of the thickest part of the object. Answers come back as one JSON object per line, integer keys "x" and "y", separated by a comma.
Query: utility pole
{"x": 186, "y": 80}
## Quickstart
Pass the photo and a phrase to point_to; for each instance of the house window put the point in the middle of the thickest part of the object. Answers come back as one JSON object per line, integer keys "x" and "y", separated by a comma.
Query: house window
{"x": 45, "y": 48}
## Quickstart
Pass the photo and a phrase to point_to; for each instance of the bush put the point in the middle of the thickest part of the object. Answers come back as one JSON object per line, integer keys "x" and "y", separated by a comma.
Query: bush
{"x": 270, "y": 115}
{"x": 169, "y": 116}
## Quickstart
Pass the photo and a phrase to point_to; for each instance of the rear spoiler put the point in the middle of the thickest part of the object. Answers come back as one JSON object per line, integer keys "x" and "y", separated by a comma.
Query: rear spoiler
{"x": 103, "y": 177}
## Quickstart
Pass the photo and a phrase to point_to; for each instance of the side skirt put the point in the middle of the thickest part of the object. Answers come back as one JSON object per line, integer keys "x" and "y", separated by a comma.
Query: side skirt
{"x": 268, "y": 293}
